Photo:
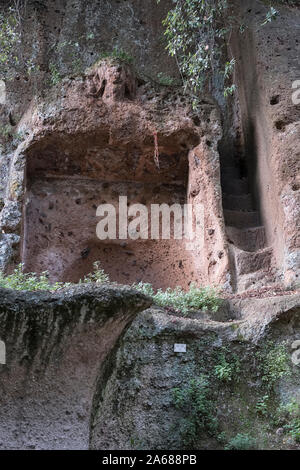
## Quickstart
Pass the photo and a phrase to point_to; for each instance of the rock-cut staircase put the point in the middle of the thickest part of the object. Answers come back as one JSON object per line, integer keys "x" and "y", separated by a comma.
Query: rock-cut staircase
{"x": 251, "y": 258}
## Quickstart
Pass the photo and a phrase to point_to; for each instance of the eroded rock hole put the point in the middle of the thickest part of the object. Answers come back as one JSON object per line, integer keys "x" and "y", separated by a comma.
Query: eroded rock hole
{"x": 196, "y": 120}
{"x": 127, "y": 93}
{"x": 280, "y": 125}
{"x": 274, "y": 100}
{"x": 102, "y": 88}
{"x": 65, "y": 184}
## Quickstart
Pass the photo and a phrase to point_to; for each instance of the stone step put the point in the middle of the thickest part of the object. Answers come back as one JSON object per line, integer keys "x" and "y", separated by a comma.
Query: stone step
{"x": 247, "y": 262}
{"x": 235, "y": 186}
{"x": 256, "y": 280}
{"x": 249, "y": 239}
{"x": 241, "y": 202}
{"x": 241, "y": 219}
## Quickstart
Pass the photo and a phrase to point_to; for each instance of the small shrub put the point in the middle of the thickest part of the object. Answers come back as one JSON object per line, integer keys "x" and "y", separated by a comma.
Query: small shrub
{"x": 6, "y": 131}
{"x": 118, "y": 54}
{"x": 19, "y": 280}
{"x": 203, "y": 298}
{"x": 145, "y": 288}
{"x": 10, "y": 39}
{"x": 98, "y": 275}
{"x": 55, "y": 77}
{"x": 77, "y": 66}
{"x": 289, "y": 417}
{"x": 166, "y": 80}
{"x": 227, "y": 371}
{"x": 197, "y": 34}
{"x": 241, "y": 442}
{"x": 262, "y": 405}
{"x": 195, "y": 401}
{"x": 28, "y": 281}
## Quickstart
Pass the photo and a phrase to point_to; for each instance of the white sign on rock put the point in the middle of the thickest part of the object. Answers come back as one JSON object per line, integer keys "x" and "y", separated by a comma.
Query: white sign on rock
{"x": 180, "y": 348}
{"x": 2, "y": 353}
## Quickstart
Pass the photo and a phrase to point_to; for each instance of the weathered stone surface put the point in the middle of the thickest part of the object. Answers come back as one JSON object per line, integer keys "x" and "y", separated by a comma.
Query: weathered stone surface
{"x": 134, "y": 408}
{"x": 266, "y": 71}
{"x": 55, "y": 344}
{"x": 98, "y": 123}
{"x": 9, "y": 250}
{"x": 85, "y": 135}
{"x": 11, "y": 217}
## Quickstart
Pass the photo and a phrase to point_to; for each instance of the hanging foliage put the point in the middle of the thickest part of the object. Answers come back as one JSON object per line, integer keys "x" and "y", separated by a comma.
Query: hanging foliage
{"x": 198, "y": 34}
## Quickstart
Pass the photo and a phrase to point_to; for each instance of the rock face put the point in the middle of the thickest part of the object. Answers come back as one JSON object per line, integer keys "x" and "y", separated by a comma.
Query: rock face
{"x": 92, "y": 142}
{"x": 93, "y": 136}
{"x": 73, "y": 380}
{"x": 266, "y": 74}
{"x": 55, "y": 344}
{"x": 93, "y": 149}
{"x": 246, "y": 360}
{"x": 100, "y": 117}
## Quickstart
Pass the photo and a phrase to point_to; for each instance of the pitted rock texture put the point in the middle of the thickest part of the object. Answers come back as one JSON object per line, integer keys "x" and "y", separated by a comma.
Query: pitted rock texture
{"x": 98, "y": 124}
{"x": 55, "y": 344}
{"x": 80, "y": 131}
{"x": 266, "y": 72}
{"x": 87, "y": 148}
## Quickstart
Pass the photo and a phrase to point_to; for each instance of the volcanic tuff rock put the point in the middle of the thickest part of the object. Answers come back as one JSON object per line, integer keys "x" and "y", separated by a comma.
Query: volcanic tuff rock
{"x": 90, "y": 138}
{"x": 55, "y": 344}
{"x": 134, "y": 407}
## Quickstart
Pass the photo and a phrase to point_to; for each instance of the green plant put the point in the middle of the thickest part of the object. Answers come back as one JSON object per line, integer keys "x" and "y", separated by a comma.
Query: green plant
{"x": 227, "y": 371}
{"x": 19, "y": 280}
{"x": 55, "y": 77}
{"x": 145, "y": 287}
{"x": 98, "y": 275}
{"x": 18, "y": 136}
{"x": 293, "y": 429}
{"x": 15, "y": 56}
{"x": 196, "y": 402}
{"x": 203, "y": 298}
{"x": 166, "y": 80}
{"x": 274, "y": 363}
{"x": 222, "y": 438}
{"x": 117, "y": 53}
{"x": 288, "y": 415}
{"x": 198, "y": 34}
{"x": 241, "y": 442}
{"x": 70, "y": 51}
{"x": 262, "y": 405}
{"x": 6, "y": 131}
{"x": 10, "y": 38}
{"x": 76, "y": 66}
{"x": 271, "y": 14}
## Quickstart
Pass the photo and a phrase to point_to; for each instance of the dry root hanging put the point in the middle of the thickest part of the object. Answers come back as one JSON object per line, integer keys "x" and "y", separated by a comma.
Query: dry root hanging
{"x": 156, "y": 151}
